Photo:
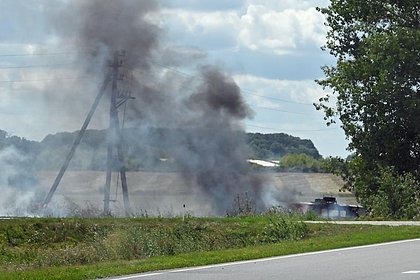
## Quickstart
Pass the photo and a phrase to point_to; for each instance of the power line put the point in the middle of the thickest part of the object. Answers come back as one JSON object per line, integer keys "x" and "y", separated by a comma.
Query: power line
{"x": 251, "y": 93}
{"x": 284, "y": 111}
{"x": 39, "y": 80}
{"x": 246, "y": 91}
{"x": 36, "y": 54}
{"x": 274, "y": 98}
{"x": 36, "y": 66}
{"x": 292, "y": 130}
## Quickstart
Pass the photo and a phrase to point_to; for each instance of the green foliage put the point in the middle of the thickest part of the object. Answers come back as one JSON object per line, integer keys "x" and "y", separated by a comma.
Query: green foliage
{"x": 17, "y": 157}
{"x": 27, "y": 147}
{"x": 397, "y": 196}
{"x": 383, "y": 191}
{"x": 320, "y": 237}
{"x": 56, "y": 231}
{"x": 163, "y": 239}
{"x": 266, "y": 146}
{"x": 50, "y": 242}
{"x": 300, "y": 163}
{"x": 144, "y": 148}
{"x": 375, "y": 83}
{"x": 376, "y": 79}
{"x": 334, "y": 165}
{"x": 284, "y": 229}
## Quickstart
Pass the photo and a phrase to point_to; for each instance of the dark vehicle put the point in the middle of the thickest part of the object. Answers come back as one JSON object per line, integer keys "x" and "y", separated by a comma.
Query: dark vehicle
{"x": 327, "y": 207}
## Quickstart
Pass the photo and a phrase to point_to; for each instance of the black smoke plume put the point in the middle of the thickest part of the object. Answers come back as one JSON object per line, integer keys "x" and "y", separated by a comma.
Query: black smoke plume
{"x": 205, "y": 111}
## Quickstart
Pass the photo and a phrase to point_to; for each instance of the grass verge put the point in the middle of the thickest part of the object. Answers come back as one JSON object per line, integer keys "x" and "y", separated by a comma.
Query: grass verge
{"x": 320, "y": 237}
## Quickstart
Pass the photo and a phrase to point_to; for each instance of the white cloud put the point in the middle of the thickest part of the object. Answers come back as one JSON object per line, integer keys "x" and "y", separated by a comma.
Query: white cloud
{"x": 303, "y": 92}
{"x": 288, "y": 4}
{"x": 208, "y": 30}
{"x": 205, "y": 5}
{"x": 298, "y": 117}
{"x": 247, "y": 35}
{"x": 289, "y": 27}
{"x": 280, "y": 32}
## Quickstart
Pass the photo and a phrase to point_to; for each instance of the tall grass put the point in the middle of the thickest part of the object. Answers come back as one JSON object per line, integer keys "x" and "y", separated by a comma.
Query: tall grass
{"x": 28, "y": 243}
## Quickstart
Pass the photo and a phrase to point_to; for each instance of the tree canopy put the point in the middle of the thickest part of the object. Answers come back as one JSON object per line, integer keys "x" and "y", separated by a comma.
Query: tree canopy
{"x": 374, "y": 88}
{"x": 144, "y": 149}
{"x": 276, "y": 145}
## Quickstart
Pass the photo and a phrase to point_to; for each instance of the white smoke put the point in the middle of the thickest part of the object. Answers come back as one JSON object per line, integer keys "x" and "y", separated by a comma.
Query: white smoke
{"x": 20, "y": 193}
{"x": 15, "y": 200}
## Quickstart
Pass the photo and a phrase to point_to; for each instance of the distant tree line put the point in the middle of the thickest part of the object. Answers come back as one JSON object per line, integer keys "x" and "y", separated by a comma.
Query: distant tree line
{"x": 27, "y": 147}
{"x": 276, "y": 145}
{"x": 301, "y": 163}
{"x": 17, "y": 156}
{"x": 148, "y": 149}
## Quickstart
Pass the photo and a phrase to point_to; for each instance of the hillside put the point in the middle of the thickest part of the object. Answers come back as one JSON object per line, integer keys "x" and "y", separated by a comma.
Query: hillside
{"x": 144, "y": 148}
{"x": 17, "y": 156}
{"x": 266, "y": 146}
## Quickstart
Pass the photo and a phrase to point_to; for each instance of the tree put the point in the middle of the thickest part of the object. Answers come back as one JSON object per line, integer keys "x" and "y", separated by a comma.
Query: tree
{"x": 375, "y": 84}
{"x": 299, "y": 162}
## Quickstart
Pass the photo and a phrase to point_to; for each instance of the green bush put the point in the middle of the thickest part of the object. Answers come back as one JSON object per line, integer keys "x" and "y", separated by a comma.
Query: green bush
{"x": 385, "y": 191}
{"x": 300, "y": 163}
{"x": 398, "y": 196}
{"x": 282, "y": 229}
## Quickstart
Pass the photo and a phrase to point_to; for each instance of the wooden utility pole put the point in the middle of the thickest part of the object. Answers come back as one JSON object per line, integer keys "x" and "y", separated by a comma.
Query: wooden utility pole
{"x": 75, "y": 143}
{"x": 115, "y": 140}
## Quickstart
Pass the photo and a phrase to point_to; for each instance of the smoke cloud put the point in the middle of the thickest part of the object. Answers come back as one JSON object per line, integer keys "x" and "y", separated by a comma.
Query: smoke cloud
{"x": 20, "y": 191}
{"x": 205, "y": 110}
{"x": 17, "y": 184}
{"x": 212, "y": 153}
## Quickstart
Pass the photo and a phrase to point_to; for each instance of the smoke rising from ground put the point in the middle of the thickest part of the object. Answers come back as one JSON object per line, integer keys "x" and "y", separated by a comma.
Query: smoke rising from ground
{"x": 207, "y": 109}
{"x": 212, "y": 154}
{"x": 14, "y": 200}
{"x": 20, "y": 192}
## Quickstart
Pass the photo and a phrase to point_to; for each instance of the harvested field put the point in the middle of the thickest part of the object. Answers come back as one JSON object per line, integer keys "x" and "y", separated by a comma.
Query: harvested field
{"x": 165, "y": 193}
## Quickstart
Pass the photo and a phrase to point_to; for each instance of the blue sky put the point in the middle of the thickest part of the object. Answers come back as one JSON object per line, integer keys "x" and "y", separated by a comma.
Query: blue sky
{"x": 270, "y": 47}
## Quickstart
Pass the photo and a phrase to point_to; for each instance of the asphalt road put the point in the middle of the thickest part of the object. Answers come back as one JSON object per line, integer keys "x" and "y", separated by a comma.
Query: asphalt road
{"x": 373, "y": 223}
{"x": 394, "y": 260}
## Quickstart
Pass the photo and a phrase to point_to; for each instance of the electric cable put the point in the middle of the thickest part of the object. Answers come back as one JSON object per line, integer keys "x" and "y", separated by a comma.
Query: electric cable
{"x": 36, "y": 66}
{"x": 283, "y": 111}
{"x": 246, "y": 91}
{"x": 292, "y": 130}
{"x": 36, "y": 54}
{"x": 41, "y": 80}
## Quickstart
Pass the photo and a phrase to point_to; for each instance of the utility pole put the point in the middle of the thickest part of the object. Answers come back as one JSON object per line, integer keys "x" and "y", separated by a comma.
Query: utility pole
{"x": 115, "y": 138}
{"x": 76, "y": 143}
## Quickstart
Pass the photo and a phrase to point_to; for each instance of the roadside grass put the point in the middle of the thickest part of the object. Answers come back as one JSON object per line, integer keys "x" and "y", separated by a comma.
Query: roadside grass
{"x": 317, "y": 237}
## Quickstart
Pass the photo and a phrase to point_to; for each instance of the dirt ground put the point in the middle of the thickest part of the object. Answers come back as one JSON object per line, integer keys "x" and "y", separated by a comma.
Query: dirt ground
{"x": 166, "y": 193}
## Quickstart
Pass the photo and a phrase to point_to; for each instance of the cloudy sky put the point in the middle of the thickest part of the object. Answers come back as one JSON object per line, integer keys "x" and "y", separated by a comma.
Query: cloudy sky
{"x": 270, "y": 47}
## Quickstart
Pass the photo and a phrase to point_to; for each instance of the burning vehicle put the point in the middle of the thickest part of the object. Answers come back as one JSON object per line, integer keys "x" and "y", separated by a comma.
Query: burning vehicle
{"x": 327, "y": 207}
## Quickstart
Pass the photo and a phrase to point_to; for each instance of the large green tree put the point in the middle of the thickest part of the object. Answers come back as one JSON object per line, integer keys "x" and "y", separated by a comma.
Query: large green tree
{"x": 374, "y": 88}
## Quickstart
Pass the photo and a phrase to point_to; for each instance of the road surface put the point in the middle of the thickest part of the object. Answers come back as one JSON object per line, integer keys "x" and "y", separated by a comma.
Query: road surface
{"x": 373, "y": 223}
{"x": 387, "y": 261}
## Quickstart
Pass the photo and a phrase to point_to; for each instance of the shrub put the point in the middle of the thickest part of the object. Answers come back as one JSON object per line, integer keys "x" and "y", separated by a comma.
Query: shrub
{"x": 300, "y": 163}
{"x": 282, "y": 229}
{"x": 398, "y": 196}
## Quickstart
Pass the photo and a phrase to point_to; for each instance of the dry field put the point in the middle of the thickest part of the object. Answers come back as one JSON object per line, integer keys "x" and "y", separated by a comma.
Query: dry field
{"x": 165, "y": 193}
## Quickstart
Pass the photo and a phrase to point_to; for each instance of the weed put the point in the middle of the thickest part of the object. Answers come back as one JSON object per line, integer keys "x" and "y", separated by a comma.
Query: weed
{"x": 281, "y": 229}
{"x": 56, "y": 242}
